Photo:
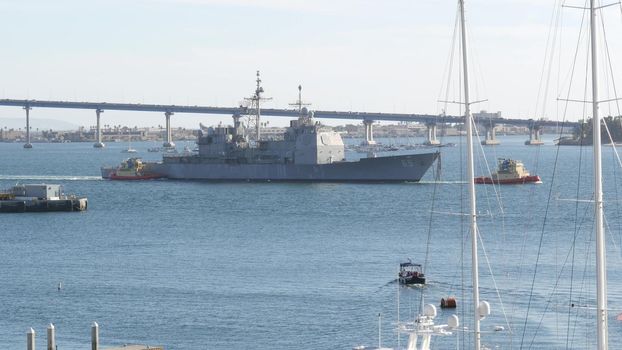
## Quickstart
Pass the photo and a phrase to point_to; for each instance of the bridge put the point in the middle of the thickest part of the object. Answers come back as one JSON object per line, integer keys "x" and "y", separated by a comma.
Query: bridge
{"x": 487, "y": 120}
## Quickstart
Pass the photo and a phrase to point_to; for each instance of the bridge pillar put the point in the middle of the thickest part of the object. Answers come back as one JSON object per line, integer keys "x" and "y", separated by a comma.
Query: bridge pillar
{"x": 98, "y": 143}
{"x": 431, "y": 140}
{"x": 369, "y": 132}
{"x": 491, "y": 135}
{"x": 535, "y": 135}
{"x": 168, "y": 143}
{"x": 27, "y": 144}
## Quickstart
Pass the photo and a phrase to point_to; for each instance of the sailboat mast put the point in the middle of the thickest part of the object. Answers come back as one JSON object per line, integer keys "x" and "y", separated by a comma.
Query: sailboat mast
{"x": 258, "y": 92}
{"x": 471, "y": 181}
{"x": 601, "y": 268}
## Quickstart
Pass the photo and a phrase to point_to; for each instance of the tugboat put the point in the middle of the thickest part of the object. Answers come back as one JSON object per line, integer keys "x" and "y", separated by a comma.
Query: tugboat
{"x": 39, "y": 198}
{"x": 130, "y": 169}
{"x": 509, "y": 171}
{"x": 411, "y": 273}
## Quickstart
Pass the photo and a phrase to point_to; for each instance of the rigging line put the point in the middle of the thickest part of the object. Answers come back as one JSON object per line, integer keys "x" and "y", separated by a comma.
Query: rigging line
{"x": 570, "y": 76}
{"x": 462, "y": 240}
{"x": 427, "y": 248}
{"x": 588, "y": 253}
{"x": 615, "y": 185}
{"x": 494, "y": 281}
{"x": 531, "y": 209}
{"x": 577, "y": 227}
{"x": 450, "y": 62}
{"x": 497, "y": 190}
{"x": 548, "y": 54}
{"x": 547, "y": 207}
{"x": 617, "y": 156}
{"x": 615, "y": 151}
{"x": 478, "y": 71}
{"x": 605, "y": 64}
{"x": 454, "y": 280}
{"x": 548, "y": 79}
{"x": 558, "y": 279}
{"x": 609, "y": 65}
{"x": 559, "y": 63}
{"x": 613, "y": 239}
{"x": 574, "y": 240}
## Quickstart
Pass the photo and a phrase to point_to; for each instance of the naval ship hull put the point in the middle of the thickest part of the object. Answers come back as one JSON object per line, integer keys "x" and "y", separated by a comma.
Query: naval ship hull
{"x": 403, "y": 168}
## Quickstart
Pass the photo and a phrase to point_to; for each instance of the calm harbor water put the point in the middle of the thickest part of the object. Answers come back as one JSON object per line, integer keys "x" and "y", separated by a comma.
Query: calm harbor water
{"x": 195, "y": 265}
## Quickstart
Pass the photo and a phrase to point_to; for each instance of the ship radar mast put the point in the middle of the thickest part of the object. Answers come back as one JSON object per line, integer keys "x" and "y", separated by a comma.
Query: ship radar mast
{"x": 303, "y": 114}
{"x": 255, "y": 101}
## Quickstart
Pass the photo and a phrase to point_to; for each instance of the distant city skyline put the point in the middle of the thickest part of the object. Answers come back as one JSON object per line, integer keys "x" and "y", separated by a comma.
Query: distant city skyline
{"x": 350, "y": 55}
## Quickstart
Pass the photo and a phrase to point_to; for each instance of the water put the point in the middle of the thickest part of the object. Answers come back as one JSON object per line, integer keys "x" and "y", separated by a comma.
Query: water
{"x": 194, "y": 265}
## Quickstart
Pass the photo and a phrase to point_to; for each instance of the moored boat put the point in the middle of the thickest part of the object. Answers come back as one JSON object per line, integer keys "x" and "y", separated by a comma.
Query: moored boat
{"x": 130, "y": 169}
{"x": 509, "y": 171}
{"x": 129, "y": 150}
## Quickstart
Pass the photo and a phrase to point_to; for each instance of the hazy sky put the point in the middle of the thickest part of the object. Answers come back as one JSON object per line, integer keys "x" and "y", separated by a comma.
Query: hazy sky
{"x": 358, "y": 55}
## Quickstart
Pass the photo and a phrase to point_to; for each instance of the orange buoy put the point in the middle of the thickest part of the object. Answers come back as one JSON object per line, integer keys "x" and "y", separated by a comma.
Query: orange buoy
{"x": 448, "y": 303}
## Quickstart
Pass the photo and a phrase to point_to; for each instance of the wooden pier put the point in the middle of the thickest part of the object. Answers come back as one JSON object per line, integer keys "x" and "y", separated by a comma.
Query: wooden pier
{"x": 51, "y": 340}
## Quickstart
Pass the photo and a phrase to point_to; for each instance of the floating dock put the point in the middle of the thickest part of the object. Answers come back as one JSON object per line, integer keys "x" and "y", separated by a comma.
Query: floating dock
{"x": 39, "y": 198}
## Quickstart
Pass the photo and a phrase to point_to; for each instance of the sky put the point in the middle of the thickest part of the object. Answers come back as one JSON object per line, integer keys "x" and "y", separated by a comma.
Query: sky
{"x": 349, "y": 55}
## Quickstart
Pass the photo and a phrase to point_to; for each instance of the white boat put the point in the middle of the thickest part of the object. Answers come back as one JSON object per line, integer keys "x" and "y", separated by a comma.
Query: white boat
{"x": 129, "y": 148}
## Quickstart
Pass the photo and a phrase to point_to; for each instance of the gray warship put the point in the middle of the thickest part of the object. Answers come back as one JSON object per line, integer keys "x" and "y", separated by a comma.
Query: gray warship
{"x": 307, "y": 151}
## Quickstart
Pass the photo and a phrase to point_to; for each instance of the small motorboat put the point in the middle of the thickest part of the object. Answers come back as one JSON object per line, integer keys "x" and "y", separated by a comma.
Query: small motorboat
{"x": 509, "y": 171}
{"x": 130, "y": 169}
{"x": 411, "y": 273}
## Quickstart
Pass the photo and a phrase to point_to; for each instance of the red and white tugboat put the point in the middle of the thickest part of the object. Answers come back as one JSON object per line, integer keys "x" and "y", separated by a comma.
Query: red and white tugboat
{"x": 509, "y": 171}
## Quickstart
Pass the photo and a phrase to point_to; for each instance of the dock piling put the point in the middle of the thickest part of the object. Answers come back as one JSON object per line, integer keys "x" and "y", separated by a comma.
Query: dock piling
{"x": 95, "y": 336}
{"x": 30, "y": 339}
{"x": 51, "y": 337}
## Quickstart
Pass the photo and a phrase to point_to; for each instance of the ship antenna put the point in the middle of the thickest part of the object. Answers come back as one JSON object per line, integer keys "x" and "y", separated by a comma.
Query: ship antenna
{"x": 255, "y": 100}
{"x": 303, "y": 114}
{"x": 300, "y": 98}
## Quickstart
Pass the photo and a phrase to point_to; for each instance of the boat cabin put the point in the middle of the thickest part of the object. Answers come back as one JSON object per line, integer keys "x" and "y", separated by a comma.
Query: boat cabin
{"x": 411, "y": 273}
